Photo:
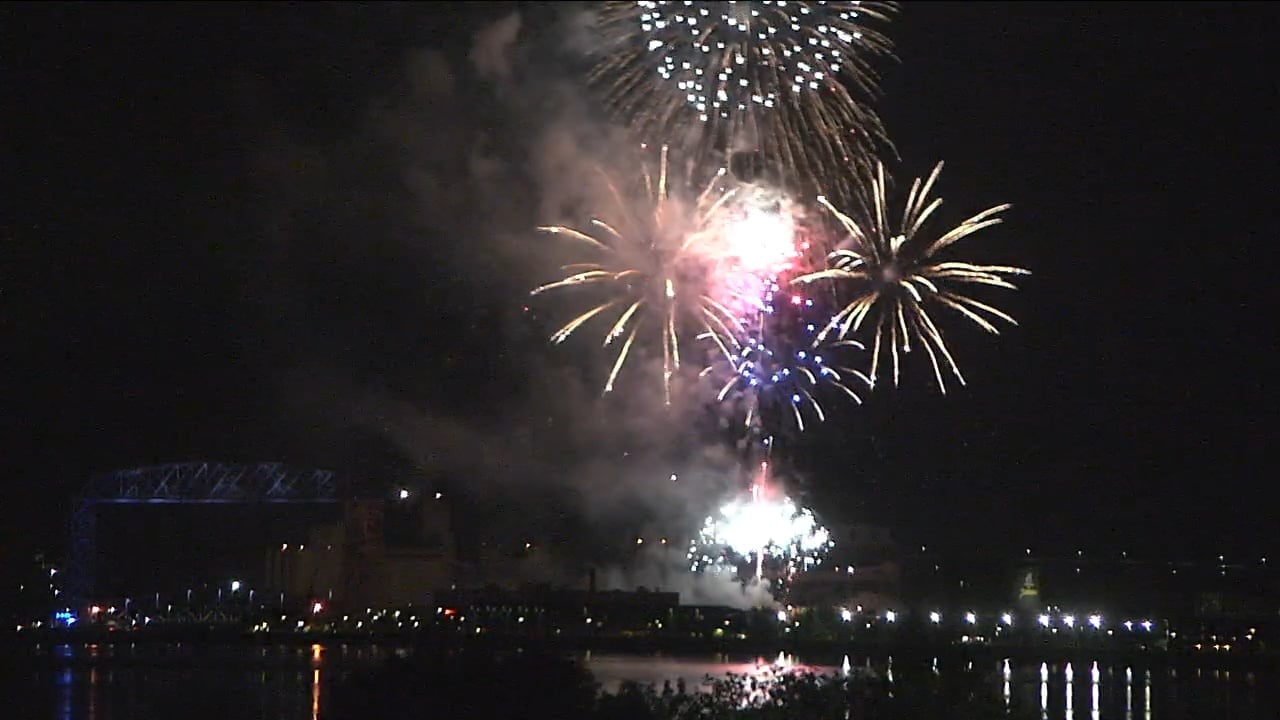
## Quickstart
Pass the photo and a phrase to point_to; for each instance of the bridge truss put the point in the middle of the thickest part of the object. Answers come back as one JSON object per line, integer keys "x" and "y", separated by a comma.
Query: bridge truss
{"x": 193, "y": 483}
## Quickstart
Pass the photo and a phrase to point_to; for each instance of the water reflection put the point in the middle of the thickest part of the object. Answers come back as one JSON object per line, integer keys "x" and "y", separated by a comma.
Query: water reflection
{"x": 1044, "y": 691}
{"x": 317, "y": 655}
{"x": 1094, "y": 712}
{"x": 1146, "y": 696}
{"x": 92, "y": 711}
{"x": 1005, "y": 674}
{"x": 1071, "y": 676}
{"x": 293, "y": 682}
{"x": 315, "y": 694}
{"x": 1128, "y": 693}
{"x": 65, "y": 682}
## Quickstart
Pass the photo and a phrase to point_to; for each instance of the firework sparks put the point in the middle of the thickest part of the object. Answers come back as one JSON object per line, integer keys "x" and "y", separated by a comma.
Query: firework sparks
{"x": 771, "y": 363}
{"x": 790, "y": 79}
{"x": 792, "y": 379}
{"x": 663, "y": 264}
{"x": 896, "y": 277}
{"x": 757, "y": 527}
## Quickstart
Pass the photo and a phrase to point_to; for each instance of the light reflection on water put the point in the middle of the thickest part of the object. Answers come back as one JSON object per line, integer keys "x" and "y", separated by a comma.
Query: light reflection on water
{"x": 241, "y": 682}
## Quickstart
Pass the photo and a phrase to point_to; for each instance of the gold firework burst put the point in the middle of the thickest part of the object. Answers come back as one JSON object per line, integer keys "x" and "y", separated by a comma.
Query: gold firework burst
{"x": 895, "y": 277}
{"x": 648, "y": 276}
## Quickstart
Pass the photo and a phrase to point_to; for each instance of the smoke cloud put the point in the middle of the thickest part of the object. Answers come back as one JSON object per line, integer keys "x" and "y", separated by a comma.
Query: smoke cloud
{"x": 422, "y": 219}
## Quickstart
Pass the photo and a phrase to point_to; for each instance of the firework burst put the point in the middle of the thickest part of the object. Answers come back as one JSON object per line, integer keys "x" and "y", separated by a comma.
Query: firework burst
{"x": 661, "y": 267}
{"x": 791, "y": 80}
{"x": 785, "y": 373}
{"x": 763, "y": 530}
{"x": 895, "y": 277}
{"x": 769, "y": 369}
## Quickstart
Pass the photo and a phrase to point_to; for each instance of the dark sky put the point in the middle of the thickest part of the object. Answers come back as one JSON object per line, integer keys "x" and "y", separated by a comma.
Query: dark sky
{"x": 151, "y": 311}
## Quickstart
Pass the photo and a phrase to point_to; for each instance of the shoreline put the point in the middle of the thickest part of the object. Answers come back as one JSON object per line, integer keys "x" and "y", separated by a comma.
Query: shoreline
{"x": 906, "y": 649}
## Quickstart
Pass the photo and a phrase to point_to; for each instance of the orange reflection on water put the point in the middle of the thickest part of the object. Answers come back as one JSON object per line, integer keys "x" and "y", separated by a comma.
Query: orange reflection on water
{"x": 315, "y": 694}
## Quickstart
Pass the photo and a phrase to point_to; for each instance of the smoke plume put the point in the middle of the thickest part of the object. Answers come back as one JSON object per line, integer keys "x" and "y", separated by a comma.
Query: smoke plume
{"x": 399, "y": 258}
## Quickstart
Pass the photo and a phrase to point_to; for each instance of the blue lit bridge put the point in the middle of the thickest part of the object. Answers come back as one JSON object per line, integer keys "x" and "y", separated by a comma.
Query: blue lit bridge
{"x": 193, "y": 483}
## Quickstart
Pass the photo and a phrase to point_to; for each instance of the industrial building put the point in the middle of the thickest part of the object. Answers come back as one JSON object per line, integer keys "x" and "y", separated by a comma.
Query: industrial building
{"x": 379, "y": 554}
{"x": 864, "y": 570}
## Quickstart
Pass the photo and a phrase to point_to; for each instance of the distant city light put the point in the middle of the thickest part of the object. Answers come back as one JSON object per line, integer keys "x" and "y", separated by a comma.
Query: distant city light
{"x": 846, "y": 615}
{"x": 935, "y": 617}
{"x": 235, "y": 586}
{"x": 782, "y": 616}
{"x": 404, "y": 494}
{"x": 1007, "y": 619}
{"x": 1128, "y": 624}
{"x": 1043, "y": 620}
{"x": 317, "y": 607}
{"x": 439, "y": 495}
{"x": 1095, "y": 621}
{"x": 1146, "y": 625}
{"x": 891, "y": 616}
{"x": 1069, "y": 620}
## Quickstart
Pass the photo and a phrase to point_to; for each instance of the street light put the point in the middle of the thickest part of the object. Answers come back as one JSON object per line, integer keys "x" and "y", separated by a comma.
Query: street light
{"x": 235, "y": 586}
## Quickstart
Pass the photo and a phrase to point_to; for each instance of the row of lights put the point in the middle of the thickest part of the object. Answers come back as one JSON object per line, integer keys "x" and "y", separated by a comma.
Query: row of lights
{"x": 1124, "y": 555}
{"x": 1006, "y": 619}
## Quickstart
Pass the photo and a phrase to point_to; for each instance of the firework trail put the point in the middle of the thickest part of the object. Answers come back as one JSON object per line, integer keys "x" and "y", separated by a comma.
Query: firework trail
{"x": 791, "y": 80}
{"x": 895, "y": 277}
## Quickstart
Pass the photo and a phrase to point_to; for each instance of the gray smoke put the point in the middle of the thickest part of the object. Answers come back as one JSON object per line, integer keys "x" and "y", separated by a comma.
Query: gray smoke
{"x": 427, "y": 210}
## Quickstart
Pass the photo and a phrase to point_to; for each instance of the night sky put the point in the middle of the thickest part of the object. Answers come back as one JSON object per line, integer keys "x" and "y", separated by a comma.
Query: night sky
{"x": 205, "y": 249}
